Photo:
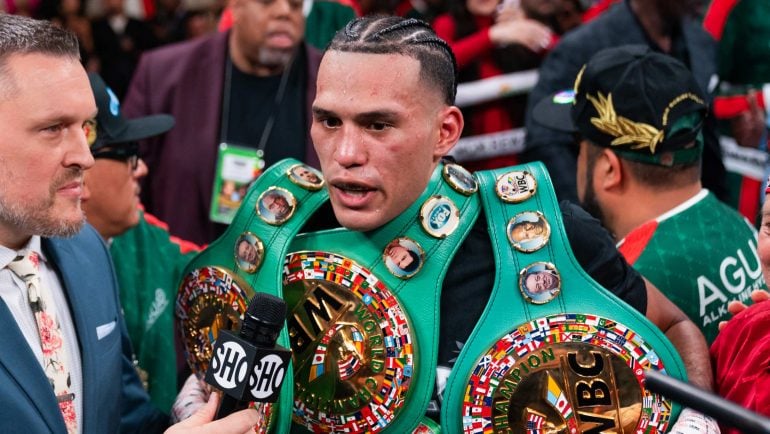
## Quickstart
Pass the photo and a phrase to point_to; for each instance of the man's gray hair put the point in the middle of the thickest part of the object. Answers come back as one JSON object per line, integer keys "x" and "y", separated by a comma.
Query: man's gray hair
{"x": 22, "y": 35}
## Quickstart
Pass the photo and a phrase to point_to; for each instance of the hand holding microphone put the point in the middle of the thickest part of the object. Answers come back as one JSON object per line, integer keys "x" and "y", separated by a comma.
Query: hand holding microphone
{"x": 248, "y": 366}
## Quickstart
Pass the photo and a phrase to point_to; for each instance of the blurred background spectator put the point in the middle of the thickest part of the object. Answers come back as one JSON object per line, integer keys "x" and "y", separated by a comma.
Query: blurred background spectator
{"x": 119, "y": 40}
{"x": 489, "y": 40}
{"x": 742, "y": 29}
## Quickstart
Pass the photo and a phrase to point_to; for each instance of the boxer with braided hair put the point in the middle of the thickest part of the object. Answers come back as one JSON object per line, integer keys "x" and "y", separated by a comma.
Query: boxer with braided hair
{"x": 410, "y": 37}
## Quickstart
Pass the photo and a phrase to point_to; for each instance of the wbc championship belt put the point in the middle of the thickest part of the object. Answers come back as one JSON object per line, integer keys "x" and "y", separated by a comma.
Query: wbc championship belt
{"x": 364, "y": 312}
{"x": 220, "y": 281}
{"x": 363, "y": 307}
{"x": 553, "y": 351}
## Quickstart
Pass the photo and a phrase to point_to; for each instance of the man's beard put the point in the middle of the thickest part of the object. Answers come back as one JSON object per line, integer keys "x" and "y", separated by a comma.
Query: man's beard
{"x": 273, "y": 58}
{"x": 39, "y": 218}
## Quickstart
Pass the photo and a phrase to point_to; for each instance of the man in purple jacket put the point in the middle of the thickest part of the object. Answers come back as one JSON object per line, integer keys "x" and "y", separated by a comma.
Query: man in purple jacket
{"x": 241, "y": 101}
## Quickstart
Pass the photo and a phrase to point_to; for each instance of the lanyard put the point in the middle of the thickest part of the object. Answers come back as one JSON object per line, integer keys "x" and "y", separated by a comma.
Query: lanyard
{"x": 225, "y": 122}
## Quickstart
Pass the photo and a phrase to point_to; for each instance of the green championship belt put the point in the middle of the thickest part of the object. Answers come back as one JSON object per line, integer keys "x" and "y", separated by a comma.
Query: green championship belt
{"x": 364, "y": 312}
{"x": 553, "y": 351}
{"x": 248, "y": 257}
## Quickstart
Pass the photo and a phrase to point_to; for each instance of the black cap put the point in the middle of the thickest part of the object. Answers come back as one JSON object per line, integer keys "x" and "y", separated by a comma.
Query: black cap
{"x": 644, "y": 105}
{"x": 112, "y": 127}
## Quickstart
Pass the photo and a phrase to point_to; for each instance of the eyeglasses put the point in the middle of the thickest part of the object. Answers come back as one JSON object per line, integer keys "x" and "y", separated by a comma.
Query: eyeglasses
{"x": 128, "y": 152}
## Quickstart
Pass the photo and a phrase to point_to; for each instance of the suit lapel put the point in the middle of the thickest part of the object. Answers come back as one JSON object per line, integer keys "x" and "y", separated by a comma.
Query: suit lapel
{"x": 69, "y": 264}
{"x": 201, "y": 106}
{"x": 20, "y": 362}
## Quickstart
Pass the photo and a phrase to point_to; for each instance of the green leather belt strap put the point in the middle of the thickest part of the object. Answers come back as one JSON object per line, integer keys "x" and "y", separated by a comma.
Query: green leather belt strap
{"x": 267, "y": 277}
{"x": 418, "y": 296}
{"x": 521, "y": 324}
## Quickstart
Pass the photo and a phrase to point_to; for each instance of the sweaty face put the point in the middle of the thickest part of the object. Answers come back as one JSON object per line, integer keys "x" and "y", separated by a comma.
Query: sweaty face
{"x": 379, "y": 132}
{"x": 43, "y": 148}
{"x": 112, "y": 199}
{"x": 268, "y": 31}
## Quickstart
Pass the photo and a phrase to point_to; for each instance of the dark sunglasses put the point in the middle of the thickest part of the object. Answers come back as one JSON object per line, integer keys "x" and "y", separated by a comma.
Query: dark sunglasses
{"x": 128, "y": 152}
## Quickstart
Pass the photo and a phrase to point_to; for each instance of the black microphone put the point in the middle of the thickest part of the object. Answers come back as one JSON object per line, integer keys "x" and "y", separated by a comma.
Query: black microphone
{"x": 726, "y": 412}
{"x": 249, "y": 366}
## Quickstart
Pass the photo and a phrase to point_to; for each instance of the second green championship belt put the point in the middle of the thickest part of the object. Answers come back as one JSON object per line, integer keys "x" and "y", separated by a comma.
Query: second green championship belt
{"x": 220, "y": 281}
{"x": 364, "y": 312}
{"x": 553, "y": 351}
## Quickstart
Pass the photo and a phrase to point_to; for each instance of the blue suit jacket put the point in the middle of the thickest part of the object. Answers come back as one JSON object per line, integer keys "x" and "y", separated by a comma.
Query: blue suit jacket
{"x": 113, "y": 397}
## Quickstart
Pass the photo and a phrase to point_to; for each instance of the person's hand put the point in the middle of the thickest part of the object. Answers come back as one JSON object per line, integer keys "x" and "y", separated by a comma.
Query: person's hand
{"x": 529, "y": 33}
{"x": 202, "y": 421}
{"x": 692, "y": 422}
{"x": 749, "y": 126}
{"x": 735, "y": 307}
{"x": 193, "y": 396}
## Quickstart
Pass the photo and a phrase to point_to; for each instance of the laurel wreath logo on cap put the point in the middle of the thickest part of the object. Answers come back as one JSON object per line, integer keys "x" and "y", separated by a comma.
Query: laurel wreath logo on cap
{"x": 626, "y": 131}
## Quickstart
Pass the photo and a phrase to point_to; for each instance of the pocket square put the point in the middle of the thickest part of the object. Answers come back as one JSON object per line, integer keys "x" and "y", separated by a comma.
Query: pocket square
{"x": 105, "y": 329}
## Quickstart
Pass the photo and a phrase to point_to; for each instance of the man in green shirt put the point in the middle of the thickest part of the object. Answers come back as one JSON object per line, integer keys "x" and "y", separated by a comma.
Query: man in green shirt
{"x": 639, "y": 115}
{"x": 148, "y": 260}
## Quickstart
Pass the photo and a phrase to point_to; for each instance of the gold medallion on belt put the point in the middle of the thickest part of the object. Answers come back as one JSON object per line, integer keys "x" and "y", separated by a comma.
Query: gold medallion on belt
{"x": 566, "y": 373}
{"x": 351, "y": 341}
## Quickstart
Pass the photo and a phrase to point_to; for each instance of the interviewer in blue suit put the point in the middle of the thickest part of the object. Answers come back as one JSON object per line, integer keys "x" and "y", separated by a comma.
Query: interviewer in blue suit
{"x": 46, "y": 110}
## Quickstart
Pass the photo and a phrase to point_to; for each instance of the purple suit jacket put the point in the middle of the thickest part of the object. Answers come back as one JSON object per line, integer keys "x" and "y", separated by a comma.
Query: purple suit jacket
{"x": 186, "y": 80}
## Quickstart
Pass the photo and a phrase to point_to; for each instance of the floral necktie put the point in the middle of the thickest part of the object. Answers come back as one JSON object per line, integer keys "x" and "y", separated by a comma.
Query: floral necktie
{"x": 26, "y": 266}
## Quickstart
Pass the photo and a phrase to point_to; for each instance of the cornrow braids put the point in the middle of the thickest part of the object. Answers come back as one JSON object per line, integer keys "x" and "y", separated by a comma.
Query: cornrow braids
{"x": 409, "y": 37}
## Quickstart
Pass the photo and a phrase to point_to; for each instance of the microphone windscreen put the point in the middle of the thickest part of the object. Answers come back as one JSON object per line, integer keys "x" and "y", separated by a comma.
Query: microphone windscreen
{"x": 267, "y": 308}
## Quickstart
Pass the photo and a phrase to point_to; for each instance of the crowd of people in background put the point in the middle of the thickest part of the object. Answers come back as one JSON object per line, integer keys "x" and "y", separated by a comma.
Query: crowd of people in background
{"x": 238, "y": 79}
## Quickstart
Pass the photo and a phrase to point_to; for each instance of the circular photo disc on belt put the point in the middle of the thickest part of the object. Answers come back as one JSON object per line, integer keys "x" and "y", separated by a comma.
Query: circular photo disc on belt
{"x": 528, "y": 231}
{"x": 516, "y": 186}
{"x": 306, "y": 177}
{"x": 459, "y": 179}
{"x": 249, "y": 252}
{"x": 403, "y": 257}
{"x": 540, "y": 282}
{"x": 439, "y": 216}
{"x": 276, "y": 205}
{"x": 566, "y": 373}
